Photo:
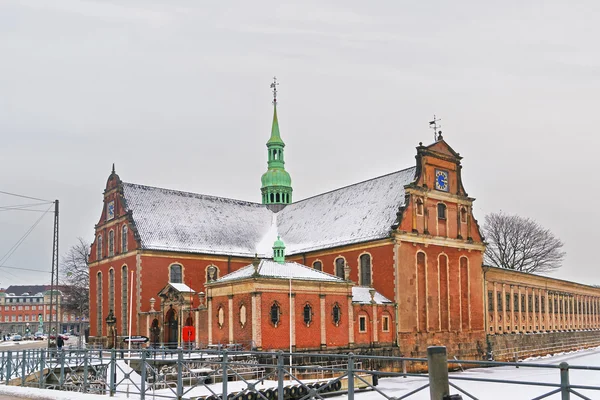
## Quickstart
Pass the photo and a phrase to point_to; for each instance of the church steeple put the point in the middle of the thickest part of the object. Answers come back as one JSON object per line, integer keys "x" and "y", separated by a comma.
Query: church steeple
{"x": 276, "y": 186}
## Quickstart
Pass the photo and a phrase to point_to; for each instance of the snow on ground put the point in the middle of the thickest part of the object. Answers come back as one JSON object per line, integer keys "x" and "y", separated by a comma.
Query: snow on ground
{"x": 398, "y": 386}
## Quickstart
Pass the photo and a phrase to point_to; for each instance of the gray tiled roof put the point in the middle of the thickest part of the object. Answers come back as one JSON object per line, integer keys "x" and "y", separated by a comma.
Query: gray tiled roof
{"x": 179, "y": 221}
{"x": 287, "y": 270}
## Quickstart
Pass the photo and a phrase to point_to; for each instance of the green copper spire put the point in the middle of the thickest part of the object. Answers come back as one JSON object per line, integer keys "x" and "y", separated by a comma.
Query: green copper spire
{"x": 279, "y": 251}
{"x": 276, "y": 182}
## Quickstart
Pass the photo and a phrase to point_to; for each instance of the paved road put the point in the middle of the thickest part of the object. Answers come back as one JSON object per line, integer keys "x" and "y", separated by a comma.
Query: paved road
{"x": 23, "y": 345}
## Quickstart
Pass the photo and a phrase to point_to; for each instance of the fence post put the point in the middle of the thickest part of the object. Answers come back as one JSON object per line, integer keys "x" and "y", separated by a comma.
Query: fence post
{"x": 224, "y": 377}
{"x": 8, "y": 367}
{"x": 2, "y": 361}
{"x": 437, "y": 365}
{"x": 179, "y": 373}
{"x": 85, "y": 370}
{"x": 42, "y": 367}
{"x": 23, "y": 367}
{"x": 143, "y": 373}
{"x": 113, "y": 372}
{"x": 351, "y": 376}
{"x": 404, "y": 368}
{"x": 564, "y": 381}
{"x": 280, "y": 375}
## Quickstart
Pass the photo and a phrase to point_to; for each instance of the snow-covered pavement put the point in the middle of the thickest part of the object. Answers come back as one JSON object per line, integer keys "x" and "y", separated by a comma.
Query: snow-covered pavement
{"x": 397, "y": 387}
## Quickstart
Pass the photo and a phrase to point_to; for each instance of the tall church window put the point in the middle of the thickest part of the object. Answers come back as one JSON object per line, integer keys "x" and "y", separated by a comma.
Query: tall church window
{"x": 339, "y": 267}
{"x": 111, "y": 243}
{"x": 124, "y": 239}
{"x": 362, "y": 323}
{"x": 318, "y": 265}
{"x": 99, "y": 303}
{"x": 124, "y": 300}
{"x": 111, "y": 289}
{"x": 365, "y": 270}
{"x": 275, "y": 314}
{"x": 441, "y": 211}
{"x": 175, "y": 275}
{"x": 99, "y": 248}
{"x": 307, "y": 314}
{"x": 336, "y": 314}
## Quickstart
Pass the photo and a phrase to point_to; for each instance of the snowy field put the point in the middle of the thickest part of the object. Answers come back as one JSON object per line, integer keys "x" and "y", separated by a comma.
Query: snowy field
{"x": 397, "y": 387}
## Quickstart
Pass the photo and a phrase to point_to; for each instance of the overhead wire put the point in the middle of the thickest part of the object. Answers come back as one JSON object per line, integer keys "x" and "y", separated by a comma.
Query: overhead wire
{"x": 25, "y": 269}
{"x": 25, "y": 197}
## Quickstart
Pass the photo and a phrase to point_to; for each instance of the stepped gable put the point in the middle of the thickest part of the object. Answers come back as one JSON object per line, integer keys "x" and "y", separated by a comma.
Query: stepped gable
{"x": 171, "y": 220}
{"x": 353, "y": 214}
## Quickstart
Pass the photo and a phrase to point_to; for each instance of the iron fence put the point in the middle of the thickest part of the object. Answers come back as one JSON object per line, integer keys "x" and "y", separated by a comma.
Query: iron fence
{"x": 251, "y": 375}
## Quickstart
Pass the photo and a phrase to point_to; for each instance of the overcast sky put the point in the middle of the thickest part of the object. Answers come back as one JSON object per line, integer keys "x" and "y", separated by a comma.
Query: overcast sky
{"x": 176, "y": 94}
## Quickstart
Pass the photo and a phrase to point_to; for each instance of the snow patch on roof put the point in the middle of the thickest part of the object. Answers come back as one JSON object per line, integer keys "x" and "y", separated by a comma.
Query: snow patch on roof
{"x": 362, "y": 295}
{"x": 182, "y": 287}
{"x": 287, "y": 270}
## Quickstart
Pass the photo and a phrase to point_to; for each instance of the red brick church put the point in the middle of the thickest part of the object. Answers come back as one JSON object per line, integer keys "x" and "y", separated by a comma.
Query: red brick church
{"x": 391, "y": 262}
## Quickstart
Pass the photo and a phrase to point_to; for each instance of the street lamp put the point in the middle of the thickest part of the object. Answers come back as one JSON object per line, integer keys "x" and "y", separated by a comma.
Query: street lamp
{"x": 111, "y": 321}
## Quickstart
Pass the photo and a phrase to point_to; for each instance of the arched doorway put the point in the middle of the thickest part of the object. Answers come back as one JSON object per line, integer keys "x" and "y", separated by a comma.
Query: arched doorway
{"x": 171, "y": 328}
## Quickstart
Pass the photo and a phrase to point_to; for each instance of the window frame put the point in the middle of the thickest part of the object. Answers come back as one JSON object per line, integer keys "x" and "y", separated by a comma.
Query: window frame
{"x": 307, "y": 314}
{"x": 124, "y": 232}
{"x": 362, "y": 320}
{"x": 385, "y": 323}
{"x": 442, "y": 206}
{"x": 361, "y": 275}
{"x": 180, "y": 272}
{"x": 275, "y": 314}
{"x": 336, "y": 314}
{"x": 111, "y": 243}
{"x": 314, "y": 265}
{"x": 335, "y": 266}
{"x": 99, "y": 247}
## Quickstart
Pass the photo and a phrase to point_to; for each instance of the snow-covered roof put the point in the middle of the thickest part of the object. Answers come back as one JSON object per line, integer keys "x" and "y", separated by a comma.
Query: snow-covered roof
{"x": 287, "y": 270}
{"x": 180, "y": 221}
{"x": 362, "y": 295}
{"x": 181, "y": 287}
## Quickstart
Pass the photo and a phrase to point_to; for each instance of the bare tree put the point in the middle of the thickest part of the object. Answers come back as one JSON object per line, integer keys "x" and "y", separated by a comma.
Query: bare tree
{"x": 521, "y": 244}
{"x": 75, "y": 277}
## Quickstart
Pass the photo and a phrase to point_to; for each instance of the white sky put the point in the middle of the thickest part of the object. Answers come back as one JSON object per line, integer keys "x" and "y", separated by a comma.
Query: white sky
{"x": 176, "y": 93}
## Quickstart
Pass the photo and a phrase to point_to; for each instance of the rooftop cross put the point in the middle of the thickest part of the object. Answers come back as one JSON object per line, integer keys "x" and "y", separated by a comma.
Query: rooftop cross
{"x": 274, "y": 87}
{"x": 434, "y": 125}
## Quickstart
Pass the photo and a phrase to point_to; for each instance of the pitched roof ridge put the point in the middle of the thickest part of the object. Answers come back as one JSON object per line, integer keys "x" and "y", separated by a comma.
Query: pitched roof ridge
{"x": 197, "y": 195}
{"x": 354, "y": 184}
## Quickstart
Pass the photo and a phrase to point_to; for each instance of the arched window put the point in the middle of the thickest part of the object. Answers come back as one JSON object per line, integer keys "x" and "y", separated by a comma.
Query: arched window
{"x": 124, "y": 239}
{"x": 275, "y": 314}
{"x": 318, "y": 265}
{"x": 212, "y": 273}
{"x": 307, "y": 314}
{"x": 111, "y": 243}
{"x": 441, "y": 211}
{"x": 336, "y": 314}
{"x": 419, "y": 207}
{"x": 175, "y": 275}
{"x": 99, "y": 247}
{"x": 339, "y": 267}
{"x": 111, "y": 289}
{"x": 463, "y": 215}
{"x": 365, "y": 270}
{"x": 124, "y": 301}
{"x": 99, "y": 303}
{"x": 243, "y": 317}
{"x": 221, "y": 317}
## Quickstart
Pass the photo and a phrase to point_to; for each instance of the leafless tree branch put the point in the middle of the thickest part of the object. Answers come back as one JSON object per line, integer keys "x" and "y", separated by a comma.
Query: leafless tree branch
{"x": 75, "y": 279}
{"x": 521, "y": 244}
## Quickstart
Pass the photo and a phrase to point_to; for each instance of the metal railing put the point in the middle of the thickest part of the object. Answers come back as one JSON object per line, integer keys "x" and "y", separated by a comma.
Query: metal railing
{"x": 248, "y": 375}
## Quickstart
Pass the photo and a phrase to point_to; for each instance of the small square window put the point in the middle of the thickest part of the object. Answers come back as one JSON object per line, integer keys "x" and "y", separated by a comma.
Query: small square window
{"x": 362, "y": 323}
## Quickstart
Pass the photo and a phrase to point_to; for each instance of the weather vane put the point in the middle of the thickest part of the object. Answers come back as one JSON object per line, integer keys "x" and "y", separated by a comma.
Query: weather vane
{"x": 435, "y": 126}
{"x": 274, "y": 87}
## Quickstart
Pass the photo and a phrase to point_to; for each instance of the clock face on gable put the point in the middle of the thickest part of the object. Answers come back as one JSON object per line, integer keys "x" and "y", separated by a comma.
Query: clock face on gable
{"x": 441, "y": 180}
{"x": 110, "y": 210}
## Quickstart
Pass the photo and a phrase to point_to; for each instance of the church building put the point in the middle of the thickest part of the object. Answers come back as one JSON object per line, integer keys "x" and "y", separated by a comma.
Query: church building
{"x": 393, "y": 262}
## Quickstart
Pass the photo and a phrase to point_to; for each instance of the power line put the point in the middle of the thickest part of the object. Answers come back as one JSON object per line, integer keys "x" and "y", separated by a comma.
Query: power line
{"x": 25, "y": 269}
{"x": 22, "y": 207}
{"x": 25, "y": 197}
{"x": 14, "y": 248}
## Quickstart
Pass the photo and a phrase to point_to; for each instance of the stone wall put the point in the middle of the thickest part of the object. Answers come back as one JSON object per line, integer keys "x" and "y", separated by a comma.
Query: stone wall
{"x": 507, "y": 347}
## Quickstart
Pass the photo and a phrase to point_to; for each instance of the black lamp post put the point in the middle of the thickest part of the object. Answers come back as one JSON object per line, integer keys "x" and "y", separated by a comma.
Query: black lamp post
{"x": 111, "y": 321}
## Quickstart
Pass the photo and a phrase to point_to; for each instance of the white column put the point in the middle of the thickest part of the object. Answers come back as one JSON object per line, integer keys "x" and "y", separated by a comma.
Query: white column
{"x": 350, "y": 322}
{"x": 210, "y": 319}
{"x": 323, "y": 330}
{"x": 375, "y": 324}
{"x": 293, "y": 320}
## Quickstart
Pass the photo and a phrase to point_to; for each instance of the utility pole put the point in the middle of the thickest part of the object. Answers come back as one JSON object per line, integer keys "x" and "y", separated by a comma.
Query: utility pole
{"x": 54, "y": 276}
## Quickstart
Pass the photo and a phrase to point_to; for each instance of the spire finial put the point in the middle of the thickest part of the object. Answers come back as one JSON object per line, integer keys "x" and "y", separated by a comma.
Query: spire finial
{"x": 274, "y": 87}
{"x": 437, "y": 135}
{"x": 113, "y": 169}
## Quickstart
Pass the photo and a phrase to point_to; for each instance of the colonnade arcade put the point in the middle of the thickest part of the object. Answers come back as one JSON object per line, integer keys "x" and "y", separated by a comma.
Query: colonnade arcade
{"x": 518, "y": 308}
